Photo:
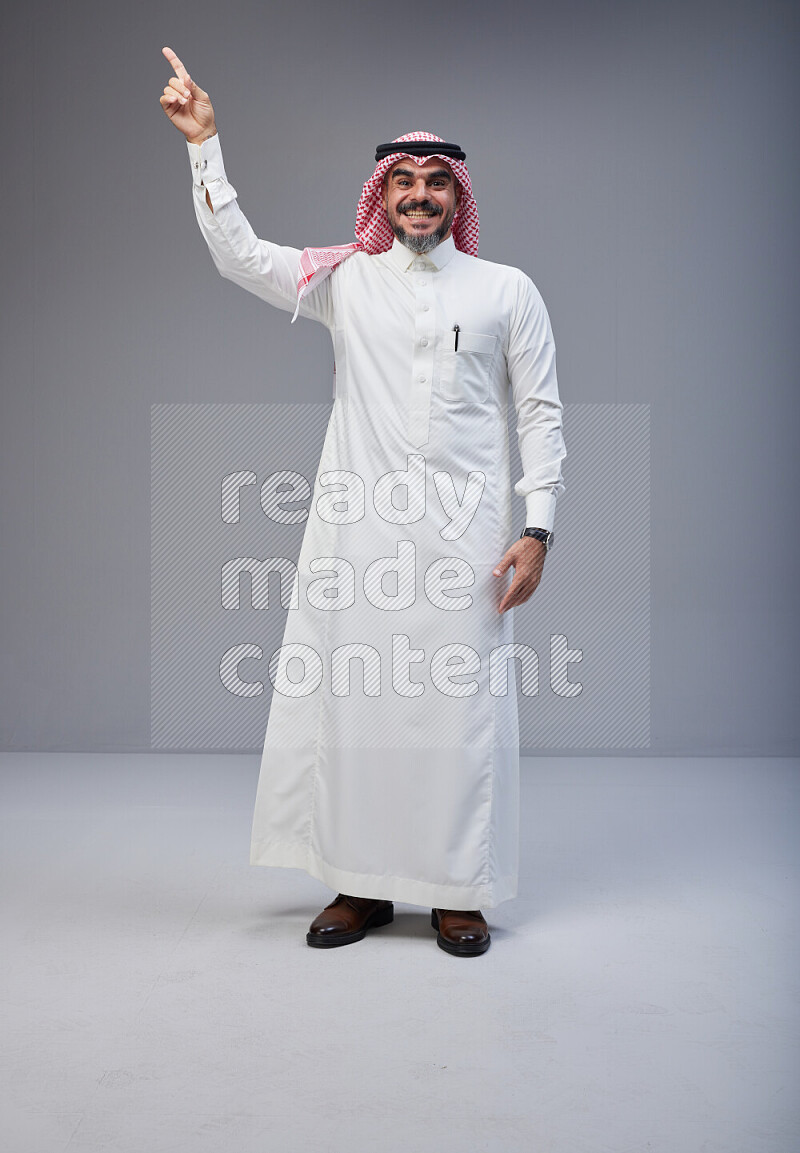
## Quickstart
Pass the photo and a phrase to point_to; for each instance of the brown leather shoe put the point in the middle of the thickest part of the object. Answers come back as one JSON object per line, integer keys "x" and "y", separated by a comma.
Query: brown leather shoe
{"x": 464, "y": 934}
{"x": 347, "y": 919}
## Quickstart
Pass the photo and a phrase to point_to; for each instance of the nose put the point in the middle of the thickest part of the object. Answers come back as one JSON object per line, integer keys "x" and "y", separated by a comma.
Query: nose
{"x": 419, "y": 190}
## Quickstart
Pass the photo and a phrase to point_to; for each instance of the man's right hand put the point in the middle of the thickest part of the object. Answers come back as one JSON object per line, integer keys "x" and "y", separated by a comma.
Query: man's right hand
{"x": 187, "y": 106}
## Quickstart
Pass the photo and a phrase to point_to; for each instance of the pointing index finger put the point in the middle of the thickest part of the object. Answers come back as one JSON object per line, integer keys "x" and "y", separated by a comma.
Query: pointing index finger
{"x": 180, "y": 69}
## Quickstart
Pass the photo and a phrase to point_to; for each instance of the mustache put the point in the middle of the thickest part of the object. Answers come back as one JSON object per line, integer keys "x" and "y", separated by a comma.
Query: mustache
{"x": 420, "y": 206}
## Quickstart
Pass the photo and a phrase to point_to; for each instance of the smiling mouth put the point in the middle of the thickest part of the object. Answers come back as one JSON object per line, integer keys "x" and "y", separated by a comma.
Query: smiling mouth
{"x": 419, "y": 213}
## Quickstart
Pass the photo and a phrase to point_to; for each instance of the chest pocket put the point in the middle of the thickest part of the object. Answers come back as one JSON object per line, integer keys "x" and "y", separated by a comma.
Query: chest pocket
{"x": 465, "y": 373}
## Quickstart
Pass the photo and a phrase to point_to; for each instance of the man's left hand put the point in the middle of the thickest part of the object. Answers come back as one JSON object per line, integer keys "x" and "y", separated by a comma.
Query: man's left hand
{"x": 527, "y": 556}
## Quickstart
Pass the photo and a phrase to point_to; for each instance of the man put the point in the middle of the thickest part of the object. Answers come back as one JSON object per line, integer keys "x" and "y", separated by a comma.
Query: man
{"x": 401, "y": 783}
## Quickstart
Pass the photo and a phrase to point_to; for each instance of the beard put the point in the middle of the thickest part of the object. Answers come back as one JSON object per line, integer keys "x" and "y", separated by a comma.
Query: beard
{"x": 421, "y": 242}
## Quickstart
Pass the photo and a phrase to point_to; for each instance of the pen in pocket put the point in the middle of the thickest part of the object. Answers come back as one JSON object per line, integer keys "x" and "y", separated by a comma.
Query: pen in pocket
{"x": 456, "y": 330}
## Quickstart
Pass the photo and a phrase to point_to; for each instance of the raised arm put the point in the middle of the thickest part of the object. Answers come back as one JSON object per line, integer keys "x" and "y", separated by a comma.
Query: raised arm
{"x": 188, "y": 106}
{"x": 268, "y": 270}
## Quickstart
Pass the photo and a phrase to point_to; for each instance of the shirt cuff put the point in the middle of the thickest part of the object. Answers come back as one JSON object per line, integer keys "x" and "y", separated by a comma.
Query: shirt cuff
{"x": 206, "y": 161}
{"x": 540, "y": 510}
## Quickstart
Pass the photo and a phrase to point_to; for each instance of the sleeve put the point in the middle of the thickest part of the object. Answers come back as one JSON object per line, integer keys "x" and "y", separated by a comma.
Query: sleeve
{"x": 531, "y": 360}
{"x": 271, "y": 271}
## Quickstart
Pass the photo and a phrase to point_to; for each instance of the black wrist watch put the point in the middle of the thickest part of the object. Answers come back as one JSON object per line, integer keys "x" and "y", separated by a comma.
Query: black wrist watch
{"x": 540, "y": 534}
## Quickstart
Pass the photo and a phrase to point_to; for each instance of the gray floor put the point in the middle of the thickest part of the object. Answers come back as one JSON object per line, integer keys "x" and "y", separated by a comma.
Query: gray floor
{"x": 639, "y": 995}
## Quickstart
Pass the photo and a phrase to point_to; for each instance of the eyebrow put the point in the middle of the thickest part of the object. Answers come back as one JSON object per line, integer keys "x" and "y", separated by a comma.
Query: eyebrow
{"x": 436, "y": 174}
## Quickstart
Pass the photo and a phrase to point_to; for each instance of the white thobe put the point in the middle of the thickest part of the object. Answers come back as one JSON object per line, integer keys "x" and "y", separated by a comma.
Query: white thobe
{"x": 391, "y": 759}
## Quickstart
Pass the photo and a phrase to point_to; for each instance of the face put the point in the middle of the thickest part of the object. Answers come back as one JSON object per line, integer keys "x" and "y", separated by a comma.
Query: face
{"x": 421, "y": 201}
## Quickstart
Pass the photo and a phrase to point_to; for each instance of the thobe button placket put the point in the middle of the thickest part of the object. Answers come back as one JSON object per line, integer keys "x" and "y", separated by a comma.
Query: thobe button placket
{"x": 422, "y": 364}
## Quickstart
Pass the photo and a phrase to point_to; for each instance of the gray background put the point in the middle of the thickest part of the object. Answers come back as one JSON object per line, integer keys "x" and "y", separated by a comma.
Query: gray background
{"x": 637, "y": 160}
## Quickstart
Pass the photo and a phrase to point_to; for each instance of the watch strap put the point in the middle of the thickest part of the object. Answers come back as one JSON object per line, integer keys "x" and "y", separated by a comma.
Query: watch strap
{"x": 542, "y": 534}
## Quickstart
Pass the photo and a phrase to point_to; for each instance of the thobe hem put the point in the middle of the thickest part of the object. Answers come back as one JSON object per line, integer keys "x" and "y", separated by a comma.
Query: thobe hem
{"x": 384, "y": 887}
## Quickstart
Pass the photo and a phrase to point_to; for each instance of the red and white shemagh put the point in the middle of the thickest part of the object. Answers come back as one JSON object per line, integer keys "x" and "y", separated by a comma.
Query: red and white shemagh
{"x": 373, "y": 230}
